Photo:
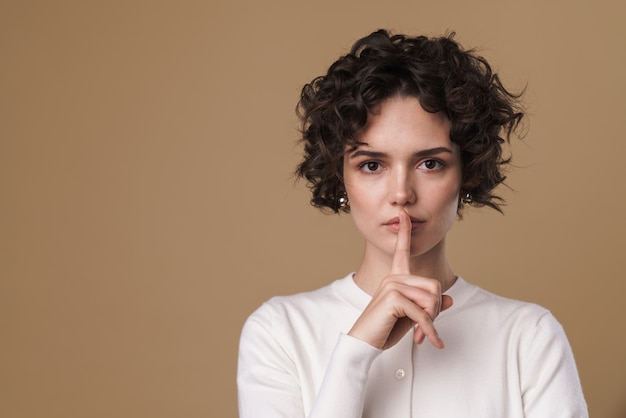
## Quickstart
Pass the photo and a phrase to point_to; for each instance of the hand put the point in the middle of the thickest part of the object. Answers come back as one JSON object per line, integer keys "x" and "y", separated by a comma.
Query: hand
{"x": 401, "y": 301}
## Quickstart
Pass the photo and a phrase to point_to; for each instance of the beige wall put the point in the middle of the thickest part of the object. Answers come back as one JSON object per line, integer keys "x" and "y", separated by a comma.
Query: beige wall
{"x": 146, "y": 204}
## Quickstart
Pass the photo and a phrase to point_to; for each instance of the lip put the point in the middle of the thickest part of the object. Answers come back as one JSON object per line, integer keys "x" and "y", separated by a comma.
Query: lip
{"x": 393, "y": 224}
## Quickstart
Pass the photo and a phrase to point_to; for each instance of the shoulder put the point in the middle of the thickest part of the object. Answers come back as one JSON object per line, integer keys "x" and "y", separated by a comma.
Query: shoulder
{"x": 490, "y": 312}
{"x": 311, "y": 309}
{"x": 299, "y": 303}
{"x": 505, "y": 308}
{"x": 302, "y": 325}
{"x": 525, "y": 328}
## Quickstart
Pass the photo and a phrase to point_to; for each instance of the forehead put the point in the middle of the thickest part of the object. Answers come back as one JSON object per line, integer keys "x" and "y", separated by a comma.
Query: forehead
{"x": 401, "y": 122}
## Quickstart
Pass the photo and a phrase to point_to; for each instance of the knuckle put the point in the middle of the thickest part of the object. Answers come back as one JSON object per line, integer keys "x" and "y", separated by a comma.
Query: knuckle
{"x": 388, "y": 282}
{"x": 434, "y": 286}
{"x": 428, "y": 328}
{"x": 433, "y": 300}
{"x": 393, "y": 297}
{"x": 386, "y": 279}
{"x": 437, "y": 287}
{"x": 433, "y": 332}
{"x": 422, "y": 317}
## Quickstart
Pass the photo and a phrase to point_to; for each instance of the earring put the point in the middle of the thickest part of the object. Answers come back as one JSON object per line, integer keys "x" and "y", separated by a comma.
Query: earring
{"x": 344, "y": 203}
{"x": 467, "y": 199}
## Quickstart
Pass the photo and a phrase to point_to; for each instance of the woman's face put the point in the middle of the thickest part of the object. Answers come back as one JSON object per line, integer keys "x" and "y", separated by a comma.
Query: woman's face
{"x": 406, "y": 160}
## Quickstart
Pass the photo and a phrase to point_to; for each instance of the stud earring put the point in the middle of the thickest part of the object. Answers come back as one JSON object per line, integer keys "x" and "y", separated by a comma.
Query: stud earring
{"x": 467, "y": 199}
{"x": 344, "y": 203}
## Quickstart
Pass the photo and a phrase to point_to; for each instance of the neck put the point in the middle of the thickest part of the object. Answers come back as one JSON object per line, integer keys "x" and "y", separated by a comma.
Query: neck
{"x": 376, "y": 264}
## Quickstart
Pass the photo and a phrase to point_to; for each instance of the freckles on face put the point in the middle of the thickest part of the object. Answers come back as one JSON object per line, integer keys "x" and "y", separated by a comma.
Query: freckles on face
{"x": 405, "y": 159}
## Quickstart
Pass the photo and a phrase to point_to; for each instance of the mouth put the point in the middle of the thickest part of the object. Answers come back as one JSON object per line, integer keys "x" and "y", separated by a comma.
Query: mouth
{"x": 393, "y": 224}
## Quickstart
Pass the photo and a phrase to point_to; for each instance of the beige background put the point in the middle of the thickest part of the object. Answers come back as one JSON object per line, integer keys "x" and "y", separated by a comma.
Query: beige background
{"x": 146, "y": 203}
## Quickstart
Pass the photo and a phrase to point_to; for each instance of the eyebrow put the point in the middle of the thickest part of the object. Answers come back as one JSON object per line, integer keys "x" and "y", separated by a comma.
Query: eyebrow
{"x": 420, "y": 154}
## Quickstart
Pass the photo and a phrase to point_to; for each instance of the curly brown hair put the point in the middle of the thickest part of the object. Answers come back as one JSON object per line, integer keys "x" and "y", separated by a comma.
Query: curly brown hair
{"x": 444, "y": 78}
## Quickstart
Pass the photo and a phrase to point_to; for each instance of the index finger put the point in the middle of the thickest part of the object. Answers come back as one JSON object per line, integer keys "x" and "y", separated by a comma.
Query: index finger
{"x": 402, "y": 252}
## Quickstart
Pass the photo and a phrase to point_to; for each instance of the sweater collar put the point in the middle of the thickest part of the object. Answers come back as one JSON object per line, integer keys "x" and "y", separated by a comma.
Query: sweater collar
{"x": 348, "y": 290}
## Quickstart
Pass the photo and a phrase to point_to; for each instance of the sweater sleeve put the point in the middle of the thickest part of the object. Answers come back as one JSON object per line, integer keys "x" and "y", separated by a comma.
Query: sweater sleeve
{"x": 550, "y": 383}
{"x": 267, "y": 380}
{"x": 342, "y": 394}
{"x": 269, "y": 385}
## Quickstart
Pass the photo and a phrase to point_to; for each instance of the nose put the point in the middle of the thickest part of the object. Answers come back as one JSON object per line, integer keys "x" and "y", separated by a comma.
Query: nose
{"x": 402, "y": 188}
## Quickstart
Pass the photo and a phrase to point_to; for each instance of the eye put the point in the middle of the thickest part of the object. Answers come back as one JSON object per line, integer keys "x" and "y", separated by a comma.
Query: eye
{"x": 431, "y": 165}
{"x": 370, "y": 166}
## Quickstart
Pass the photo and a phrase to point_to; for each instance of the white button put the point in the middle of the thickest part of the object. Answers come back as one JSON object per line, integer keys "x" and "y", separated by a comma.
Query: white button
{"x": 400, "y": 374}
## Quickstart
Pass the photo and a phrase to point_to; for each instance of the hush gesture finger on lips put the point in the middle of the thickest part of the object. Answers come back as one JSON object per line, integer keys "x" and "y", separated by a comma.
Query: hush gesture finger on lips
{"x": 402, "y": 301}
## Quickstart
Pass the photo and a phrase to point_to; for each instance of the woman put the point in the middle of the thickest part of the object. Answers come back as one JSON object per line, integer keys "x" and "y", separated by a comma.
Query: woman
{"x": 403, "y": 133}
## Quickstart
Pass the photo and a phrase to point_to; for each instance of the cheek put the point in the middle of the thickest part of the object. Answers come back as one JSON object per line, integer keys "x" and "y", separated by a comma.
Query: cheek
{"x": 364, "y": 193}
{"x": 364, "y": 205}
{"x": 453, "y": 204}
{"x": 448, "y": 204}
{"x": 361, "y": 202}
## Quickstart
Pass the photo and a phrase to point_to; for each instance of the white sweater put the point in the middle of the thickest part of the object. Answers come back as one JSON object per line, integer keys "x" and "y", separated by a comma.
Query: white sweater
{"x": 503, "y": 359}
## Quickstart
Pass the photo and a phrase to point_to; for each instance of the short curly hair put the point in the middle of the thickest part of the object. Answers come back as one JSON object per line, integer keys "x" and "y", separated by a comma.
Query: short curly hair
{"x": 444, "y": 78}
